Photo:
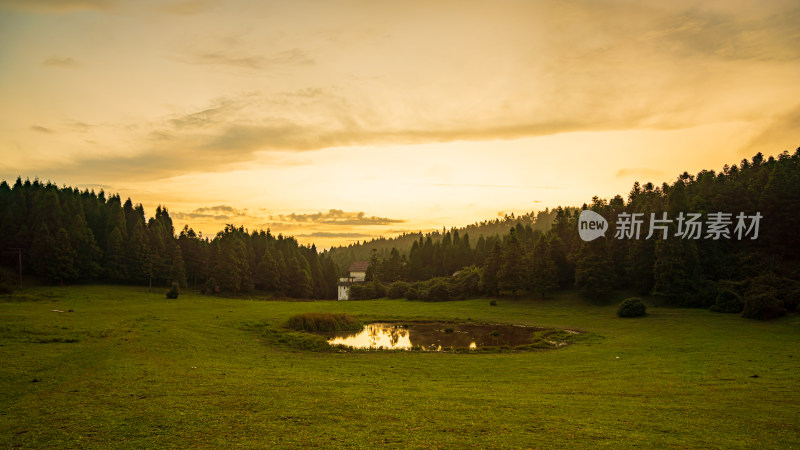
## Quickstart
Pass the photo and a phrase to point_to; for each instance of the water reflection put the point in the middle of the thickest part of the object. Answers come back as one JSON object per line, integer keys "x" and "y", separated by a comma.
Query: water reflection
{"x": 375, "y": 335}
{"x": 433, "y": 336}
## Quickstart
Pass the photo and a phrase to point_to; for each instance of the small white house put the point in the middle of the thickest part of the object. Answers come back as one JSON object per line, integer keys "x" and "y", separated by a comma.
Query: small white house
{"x": 358, "y": 273}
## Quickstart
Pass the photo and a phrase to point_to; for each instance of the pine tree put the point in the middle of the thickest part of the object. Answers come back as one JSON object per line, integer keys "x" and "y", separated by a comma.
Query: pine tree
{"x": 511, "y": 275}
{"x": 300, "y": 283}
{"x": 267, "y": 276}
{"x": 593, "y": 271}
{"x": 87, "y": 253}
{"x": 542, "y": 275}
{"x": 114, "y": 257}
{"x": 60, "y": 266}
{"x": 491, "y": 268}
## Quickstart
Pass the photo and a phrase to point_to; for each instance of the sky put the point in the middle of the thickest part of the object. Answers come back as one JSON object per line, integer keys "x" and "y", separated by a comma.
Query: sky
{"x": 339, "y": 121}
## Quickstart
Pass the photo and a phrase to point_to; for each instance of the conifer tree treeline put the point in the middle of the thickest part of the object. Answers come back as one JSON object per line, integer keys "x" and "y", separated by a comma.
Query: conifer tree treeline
{"x": 343, "y": 256}
{"x": 68, "y": 235}
{"x": 758, "y": 277}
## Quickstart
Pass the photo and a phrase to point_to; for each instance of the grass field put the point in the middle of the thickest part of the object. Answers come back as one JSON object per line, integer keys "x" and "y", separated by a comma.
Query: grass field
{"x": 128, "y": 368}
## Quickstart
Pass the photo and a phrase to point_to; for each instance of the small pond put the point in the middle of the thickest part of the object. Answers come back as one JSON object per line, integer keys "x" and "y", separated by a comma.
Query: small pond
{"x": 434, "y": 336}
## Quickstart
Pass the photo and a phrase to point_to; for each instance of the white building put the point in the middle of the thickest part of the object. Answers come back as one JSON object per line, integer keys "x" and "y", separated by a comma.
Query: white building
{"x": 358, "y": 272}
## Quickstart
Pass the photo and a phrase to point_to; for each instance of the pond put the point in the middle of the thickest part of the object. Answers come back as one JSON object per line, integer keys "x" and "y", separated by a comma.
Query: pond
{"x": 435, "y": 336}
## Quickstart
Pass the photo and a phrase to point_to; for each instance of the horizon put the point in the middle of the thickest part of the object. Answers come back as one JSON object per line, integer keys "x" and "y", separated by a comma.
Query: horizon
{"x": 362, "y": 120}
{"x": 501, "y": 215}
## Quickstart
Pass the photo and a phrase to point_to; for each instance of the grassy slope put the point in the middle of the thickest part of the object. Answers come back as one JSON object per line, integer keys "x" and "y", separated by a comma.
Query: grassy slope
{"x": 151, "y": 372}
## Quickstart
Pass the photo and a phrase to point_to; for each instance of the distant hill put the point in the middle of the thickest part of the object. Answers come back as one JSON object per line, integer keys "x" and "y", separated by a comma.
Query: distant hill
{"x": 343, "y": 256}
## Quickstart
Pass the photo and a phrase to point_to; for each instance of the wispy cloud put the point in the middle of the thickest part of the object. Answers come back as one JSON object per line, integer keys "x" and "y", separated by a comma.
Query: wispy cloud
{"x": 242, "y": 59}
{"x": 336, "y": 217}
{"x": 217, "y": 213}
{"x": 781, "y": 132}
{"x": 61, "y": 62}
{"x": 220, "y": 208}
{"x": 41, "y": 129}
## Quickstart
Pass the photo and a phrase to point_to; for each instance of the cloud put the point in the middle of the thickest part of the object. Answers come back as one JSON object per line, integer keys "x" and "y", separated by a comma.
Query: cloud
{"x": 241, "y": 59}
{"x": 585, "y": 67}
{"x": 214, "y": 213}
{"x": 780, "y": 133}
{"x": 41, "y": 129}
{"x": 61, "y": 62}
{"x": 194, "y": 215}
{"x": 639, "y": 173}
{"x": 707, "y": 34}
{"x": 336, "y": 217}
{"x": 78, "y": 125}
{"x": 202, "y": 119}
{"x": 56, "y": 6}
{"x": 220, "y": 208}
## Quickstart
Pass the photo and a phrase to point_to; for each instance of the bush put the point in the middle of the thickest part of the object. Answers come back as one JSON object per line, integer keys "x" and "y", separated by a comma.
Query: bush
{"x": 323, "y": 322}
{"x": 632, "y": 307}
{"x": 359, "y": 292}
{"x": 438, "y": 291}
{"x": 791, "y": 301}
{"x": 762, "y": 305}
{"x": 703, "y": 295}
{"x": 378, "y": 290}
{"x": 467, "y": 284}
{"x": 173, "y": 292}
{"x": 728, "y": 301}
{"x": 367, "y": 291}
{"x": 412, "y": 294}
{"x": 397, "y": 289}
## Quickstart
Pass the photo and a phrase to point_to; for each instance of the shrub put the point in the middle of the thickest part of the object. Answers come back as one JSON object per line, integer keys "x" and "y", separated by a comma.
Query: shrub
{"x": 763, "y": 305}
{"x": 703, "y": 295}
{"x": 360, "y": 292}
{"x": 367, "y": 291}
{"x": 378, "y": 290}
{"x": 632, "y": 307}
{"x": 438, "y": 291}
{"x": 173, "y": 292}
{"x": 791, "y": 301}
{"x": 467, "y": 283}
{"x": 323, "y": 322}
{"x": 397, "y": 289}
{"x": 412, "y": 294}
{"x": 728, "y": 301}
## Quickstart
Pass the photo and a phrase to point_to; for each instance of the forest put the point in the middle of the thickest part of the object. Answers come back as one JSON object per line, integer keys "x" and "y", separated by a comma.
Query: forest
{"x": 65, "y": 235}
{"x": 755, "y": 277}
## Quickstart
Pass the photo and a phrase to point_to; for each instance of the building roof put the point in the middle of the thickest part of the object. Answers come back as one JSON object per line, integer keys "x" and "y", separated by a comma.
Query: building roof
{"x": 359, "y": 266}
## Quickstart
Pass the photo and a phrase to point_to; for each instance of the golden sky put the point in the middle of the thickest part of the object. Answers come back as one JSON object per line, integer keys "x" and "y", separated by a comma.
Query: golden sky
{"x": 337, "y": 121}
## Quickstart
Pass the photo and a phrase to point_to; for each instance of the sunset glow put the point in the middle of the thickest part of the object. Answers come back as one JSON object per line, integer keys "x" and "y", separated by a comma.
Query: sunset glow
{"x": 346, "y": 120}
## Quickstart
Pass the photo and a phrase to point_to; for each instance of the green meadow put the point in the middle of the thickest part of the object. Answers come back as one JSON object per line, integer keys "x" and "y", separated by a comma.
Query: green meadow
{"x": 129, "y": 368}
